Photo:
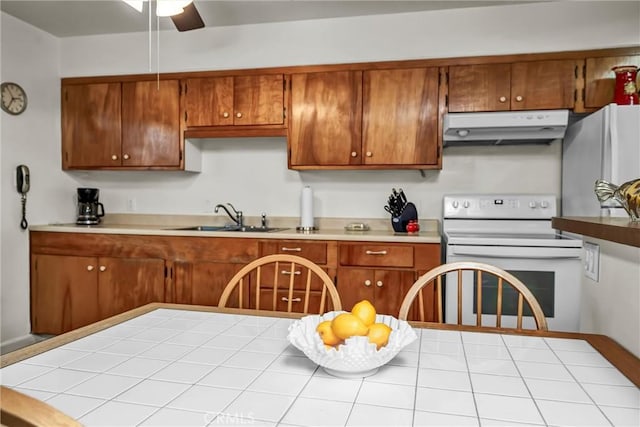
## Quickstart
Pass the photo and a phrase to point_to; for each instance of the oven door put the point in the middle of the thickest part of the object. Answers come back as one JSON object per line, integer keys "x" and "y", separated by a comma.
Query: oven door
{"x": 552, "y": 274}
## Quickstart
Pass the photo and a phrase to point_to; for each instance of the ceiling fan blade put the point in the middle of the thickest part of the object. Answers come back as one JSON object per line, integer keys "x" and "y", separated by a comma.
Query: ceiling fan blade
{"x": 190, "y": 19}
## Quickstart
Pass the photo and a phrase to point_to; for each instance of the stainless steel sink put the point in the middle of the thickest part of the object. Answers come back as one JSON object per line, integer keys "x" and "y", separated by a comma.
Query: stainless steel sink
{"x": 244, "y": 229}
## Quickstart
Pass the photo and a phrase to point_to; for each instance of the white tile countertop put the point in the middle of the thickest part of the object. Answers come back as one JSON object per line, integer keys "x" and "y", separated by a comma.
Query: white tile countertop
{"x": 183, "y": 367}
{"x": 328, "y": 228}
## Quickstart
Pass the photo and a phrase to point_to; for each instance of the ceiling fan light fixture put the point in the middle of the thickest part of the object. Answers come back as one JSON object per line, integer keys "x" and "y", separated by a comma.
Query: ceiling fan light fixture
{"x": 171, "y": 7}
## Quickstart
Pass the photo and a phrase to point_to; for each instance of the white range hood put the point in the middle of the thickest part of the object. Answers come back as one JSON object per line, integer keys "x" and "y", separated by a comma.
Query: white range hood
{"x": 505, "y": 127}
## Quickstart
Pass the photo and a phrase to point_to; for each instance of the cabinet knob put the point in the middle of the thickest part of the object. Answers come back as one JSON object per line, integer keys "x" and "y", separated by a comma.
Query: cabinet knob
{"x": 238, "y": 115}
{"x": 367, "y": 282}
{"x": 369, "y": 154}
{"x": 519, "y": 98}
{"x": 89, "y": 267}
{"x": 502, "y": 99}
{"x": 103, "y": 268}
{"x": 354, "y": 154}
{"x": 225, "y": 114}
{"x": 126, "y": 157}
{"x": 379, "y": 283}
{"x": 114, "y": 157}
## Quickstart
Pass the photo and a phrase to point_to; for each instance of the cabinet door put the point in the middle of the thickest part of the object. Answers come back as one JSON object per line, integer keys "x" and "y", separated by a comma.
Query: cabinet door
{"x": 400, "y": 117}
{"x": 202, "y": 283}
{"x": 126, "y": 283}
{"x": 541, "y": 85}
{"x": 355, "y": 284}
{"x": 64, "y": 293}
{"x": 390, "y": 288}
{"x": 150, "y": 123}
{"x": 209, "y": 101}
{"x": 485, "y": 87}
{"x": 600, "y": 80}
{"x": 326, "y": 119}
{"x": 259, "y": 100}
{"x": 91, "y": 125}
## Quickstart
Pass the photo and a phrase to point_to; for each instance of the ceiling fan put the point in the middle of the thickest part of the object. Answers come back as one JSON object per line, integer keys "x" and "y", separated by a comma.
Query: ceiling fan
{"x": 183, "y": 13}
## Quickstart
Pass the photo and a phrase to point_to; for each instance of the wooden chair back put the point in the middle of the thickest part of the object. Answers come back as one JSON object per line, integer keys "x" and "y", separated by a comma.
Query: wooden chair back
{"x": 434, "y": 277}
{"x": 284, "y": 283}
{"x": 20, "y": 410}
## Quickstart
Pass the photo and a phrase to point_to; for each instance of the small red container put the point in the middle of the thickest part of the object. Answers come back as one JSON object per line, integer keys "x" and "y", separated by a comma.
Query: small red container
{"x": 626, "y": 92}
{"x": 413, "y": 226}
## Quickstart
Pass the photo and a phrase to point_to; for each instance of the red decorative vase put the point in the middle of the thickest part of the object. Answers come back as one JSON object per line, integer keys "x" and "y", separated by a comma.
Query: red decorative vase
{"x": 626, "y": 90}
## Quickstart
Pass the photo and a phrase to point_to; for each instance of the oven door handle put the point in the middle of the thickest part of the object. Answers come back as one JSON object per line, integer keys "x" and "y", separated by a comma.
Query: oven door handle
{"x": 516, "y": 252}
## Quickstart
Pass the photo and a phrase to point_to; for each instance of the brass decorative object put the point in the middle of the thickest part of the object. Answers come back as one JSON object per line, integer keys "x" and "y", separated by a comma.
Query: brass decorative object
{"x": 627, "y": 194}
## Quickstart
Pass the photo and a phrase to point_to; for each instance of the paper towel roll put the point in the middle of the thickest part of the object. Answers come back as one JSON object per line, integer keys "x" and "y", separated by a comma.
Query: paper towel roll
{"x": 306, "y": 208}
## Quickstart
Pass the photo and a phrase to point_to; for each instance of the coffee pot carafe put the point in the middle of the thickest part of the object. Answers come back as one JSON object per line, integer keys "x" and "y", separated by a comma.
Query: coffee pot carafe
{"x": 89, "y": 209}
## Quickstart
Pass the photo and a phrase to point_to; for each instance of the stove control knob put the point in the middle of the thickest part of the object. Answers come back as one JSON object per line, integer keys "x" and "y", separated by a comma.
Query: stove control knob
{"x": 465, "y": 204}
{"x": 455, "y": 204}
{"x": 532, "y": 205}
{"x": 544, "y": 204}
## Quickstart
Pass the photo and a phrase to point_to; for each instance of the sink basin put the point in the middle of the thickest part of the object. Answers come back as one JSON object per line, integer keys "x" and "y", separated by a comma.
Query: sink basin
{"x": 245, "y": 229}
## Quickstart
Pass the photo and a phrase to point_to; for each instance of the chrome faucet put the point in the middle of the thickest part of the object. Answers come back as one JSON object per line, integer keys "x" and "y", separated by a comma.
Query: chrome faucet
{"x": 238, "y": 214}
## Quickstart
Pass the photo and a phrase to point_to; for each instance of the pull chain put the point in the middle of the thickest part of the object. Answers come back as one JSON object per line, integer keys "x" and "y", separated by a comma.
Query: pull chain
{"x": 24, "y": 224}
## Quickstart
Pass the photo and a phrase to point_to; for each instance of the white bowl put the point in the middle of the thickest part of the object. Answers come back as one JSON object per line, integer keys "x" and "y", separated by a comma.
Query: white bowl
{"x": 357, "y": 357}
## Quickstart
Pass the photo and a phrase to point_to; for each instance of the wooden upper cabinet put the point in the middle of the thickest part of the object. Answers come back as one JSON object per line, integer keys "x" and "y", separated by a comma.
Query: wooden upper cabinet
{"x": 600, "y": 80}
{"x": 151, "y": 123}
{"x": 91, "y": 131}
{"x": 326, "y": 119}
{"x": 376, "y": 118}
{"x": 400, "y": 117}
{"x": 209, "y": 101}
{"x": 251, "y": 100}
{"x": 533, "y": 85}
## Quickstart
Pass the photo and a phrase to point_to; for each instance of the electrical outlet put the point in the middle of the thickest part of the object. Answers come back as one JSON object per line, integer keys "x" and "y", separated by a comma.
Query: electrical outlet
{"x": 131, "y": 204}
{"x": 592, "y": 261}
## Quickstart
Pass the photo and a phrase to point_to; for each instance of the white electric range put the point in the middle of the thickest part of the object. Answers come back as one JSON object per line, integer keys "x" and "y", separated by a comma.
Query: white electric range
{"x": 513, "y": 232}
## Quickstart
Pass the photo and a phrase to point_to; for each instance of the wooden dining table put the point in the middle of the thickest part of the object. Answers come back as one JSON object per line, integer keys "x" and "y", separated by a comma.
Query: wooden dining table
{"x": 183, "y": 365}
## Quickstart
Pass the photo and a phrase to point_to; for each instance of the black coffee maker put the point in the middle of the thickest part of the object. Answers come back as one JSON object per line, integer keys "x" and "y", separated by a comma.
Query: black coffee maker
{"x": 89, "y": 209}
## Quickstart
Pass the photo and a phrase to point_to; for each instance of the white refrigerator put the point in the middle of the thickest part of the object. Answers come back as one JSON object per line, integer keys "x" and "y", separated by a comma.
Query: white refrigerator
{"x": 603, "y": 145}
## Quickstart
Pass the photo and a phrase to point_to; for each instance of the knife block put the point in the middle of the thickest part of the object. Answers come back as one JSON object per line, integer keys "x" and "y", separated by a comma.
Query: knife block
{"x": 409, "y": 213}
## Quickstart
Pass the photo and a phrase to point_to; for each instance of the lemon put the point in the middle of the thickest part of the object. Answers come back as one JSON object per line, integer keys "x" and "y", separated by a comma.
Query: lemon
{"x": 365, "y": 311}
{"x": 346, "y": 325}
{"x": 379, "y": 334}
{"x": 326, "y": 334}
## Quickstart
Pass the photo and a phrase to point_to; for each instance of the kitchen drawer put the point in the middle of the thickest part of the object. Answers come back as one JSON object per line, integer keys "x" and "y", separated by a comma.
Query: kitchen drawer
{"x": 283, "y": 277}
{"x": 376, "y": 255}
{"x": 313, "y": 251}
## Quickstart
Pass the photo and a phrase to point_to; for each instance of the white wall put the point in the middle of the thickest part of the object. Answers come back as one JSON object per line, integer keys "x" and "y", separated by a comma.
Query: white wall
{"x": 610, "y": 305}
{"x": 30, "y": 58}
{"x": 252, "y": 173}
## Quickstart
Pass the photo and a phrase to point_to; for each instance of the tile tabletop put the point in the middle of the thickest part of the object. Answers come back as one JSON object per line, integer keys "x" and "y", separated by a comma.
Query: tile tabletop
{"x": 190, "y": 368}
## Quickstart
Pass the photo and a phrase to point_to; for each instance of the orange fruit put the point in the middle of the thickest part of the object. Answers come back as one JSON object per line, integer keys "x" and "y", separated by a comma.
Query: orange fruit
{"x": 365, "y": 311}
{"x": 379, "y": 334}
{"x": 346, "y": 325}
{"x": 326, "y": 333}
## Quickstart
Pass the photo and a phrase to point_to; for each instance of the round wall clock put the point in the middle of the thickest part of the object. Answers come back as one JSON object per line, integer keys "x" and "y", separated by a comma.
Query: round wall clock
{"x": 14, "y": 98}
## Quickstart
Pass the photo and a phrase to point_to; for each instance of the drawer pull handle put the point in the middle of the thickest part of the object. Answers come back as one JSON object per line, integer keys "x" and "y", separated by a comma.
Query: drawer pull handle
{"x": 367, "y": 282}
{"x": 297, "y": 272}
{"x": 376, "y": 252}
{"x": 103, "y": 268}
{"x": 285, "y": 249}
{"x": 285, "y": 299}
{"x": 379, "y": 283}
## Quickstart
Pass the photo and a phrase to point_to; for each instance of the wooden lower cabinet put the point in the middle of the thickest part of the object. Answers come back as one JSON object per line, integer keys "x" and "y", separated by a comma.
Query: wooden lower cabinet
{"x": 202, "y": 282}
{"x": 68, "y": 292}
{"x": 385, "y": 289}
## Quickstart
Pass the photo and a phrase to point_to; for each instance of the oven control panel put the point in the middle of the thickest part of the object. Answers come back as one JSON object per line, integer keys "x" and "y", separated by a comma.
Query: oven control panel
{"x": 500, "y": 206}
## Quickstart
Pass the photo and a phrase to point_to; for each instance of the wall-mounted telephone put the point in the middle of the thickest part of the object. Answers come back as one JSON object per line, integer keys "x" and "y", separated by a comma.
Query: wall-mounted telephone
{"x": 23, "y": 180}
